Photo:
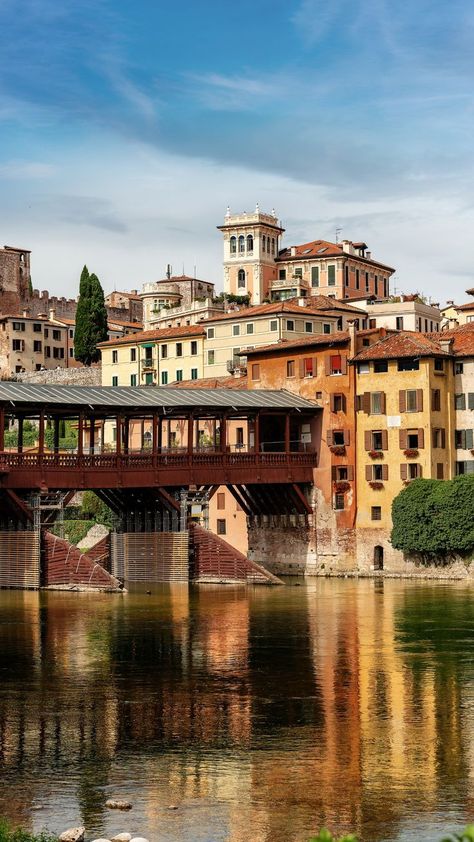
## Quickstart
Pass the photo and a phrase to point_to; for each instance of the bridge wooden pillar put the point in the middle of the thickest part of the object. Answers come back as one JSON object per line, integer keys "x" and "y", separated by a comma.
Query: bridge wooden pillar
{"x": 256, "y": 433}
{"x": 56, "y": 422}
{"x": 190, "y": 434}
{"x": 287, "y": 433}
{"x": 2, "y": 429}
{"x": 118, "y": 435}
{"x": 223, "y": 432}
{"x": 126, "y": 435}
{"x": 20, "y": 434}
{"x": 156, "y": 436}
{"x": 91, "y": 433}
{"x": 41, "y": 424}
{"x": 80, "y": 434}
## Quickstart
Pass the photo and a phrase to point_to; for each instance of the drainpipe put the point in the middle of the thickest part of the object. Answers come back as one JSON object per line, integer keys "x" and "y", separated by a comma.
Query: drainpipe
{"x": 352, "y": 391}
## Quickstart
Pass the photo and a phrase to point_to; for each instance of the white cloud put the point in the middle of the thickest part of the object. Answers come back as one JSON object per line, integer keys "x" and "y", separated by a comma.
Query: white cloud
{"x": 26, "y": 170}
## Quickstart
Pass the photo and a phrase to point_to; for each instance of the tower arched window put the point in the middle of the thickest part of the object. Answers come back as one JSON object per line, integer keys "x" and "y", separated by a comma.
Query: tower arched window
{"x": 249, "y": 242}
{"x": 268, "y": 244}
{"x": 241, "y": 243}
{"x": 273, "y": 245}
{"x": 233, "y": 245}
{"x": 264, "y": 243}
{"x": 241, "y": 279}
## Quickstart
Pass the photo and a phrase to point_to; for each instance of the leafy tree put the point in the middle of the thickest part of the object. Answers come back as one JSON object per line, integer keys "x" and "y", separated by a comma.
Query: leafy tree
{"x": 91, "y": 319}
{"x": 435, "y": 517}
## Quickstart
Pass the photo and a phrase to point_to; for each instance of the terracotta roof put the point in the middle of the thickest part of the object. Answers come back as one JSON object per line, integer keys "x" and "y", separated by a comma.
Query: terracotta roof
{"x": 323, "y": 249}
{"x": 154, "y": 335}
{"x": 402, "y": 344}
{"x": 225, "y": 382}
{"x": 463, "y": 339}
{"x": 468, "y": 306}
{"x": 40, "y": 319}
{"x": 323, "y": 302}
{"x": 133, "y": 295}
{"x": 136, "y": 325}
{"x": 64, "y": 321}
{"x": 339, "y": 337}
{"x": 289, "y": 306}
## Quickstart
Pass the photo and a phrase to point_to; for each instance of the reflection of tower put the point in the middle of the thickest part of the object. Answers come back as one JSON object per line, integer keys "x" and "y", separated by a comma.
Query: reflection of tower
{"x": 251, "y": 244}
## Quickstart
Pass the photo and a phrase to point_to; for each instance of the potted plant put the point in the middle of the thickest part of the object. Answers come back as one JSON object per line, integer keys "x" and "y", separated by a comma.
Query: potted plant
{"x": 338, "y": 449}
{"x": 376, "y": 454}
{"x": 341, "y": 486}
{"x": 376, "y": 484}
{"x": 411, "y": 452}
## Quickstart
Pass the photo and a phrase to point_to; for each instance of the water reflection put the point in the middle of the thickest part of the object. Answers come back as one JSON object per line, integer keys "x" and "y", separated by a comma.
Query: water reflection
{"x": 264, "y": 713}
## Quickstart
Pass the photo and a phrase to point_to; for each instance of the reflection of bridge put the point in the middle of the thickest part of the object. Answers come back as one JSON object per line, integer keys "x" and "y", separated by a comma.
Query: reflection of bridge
{"x": 149, "y": 452}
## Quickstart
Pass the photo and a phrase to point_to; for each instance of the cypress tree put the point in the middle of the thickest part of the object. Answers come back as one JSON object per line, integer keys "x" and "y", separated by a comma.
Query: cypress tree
{"x": 91, "y": 319}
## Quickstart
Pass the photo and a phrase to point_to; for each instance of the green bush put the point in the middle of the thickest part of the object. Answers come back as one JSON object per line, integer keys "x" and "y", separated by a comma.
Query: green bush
{"x": 8, "y": 834}
{"x": 74, "y": 531}
{"x": 93, "y": 507}
{"x": 435, "y": 518}
{"x": 325, "y": 836}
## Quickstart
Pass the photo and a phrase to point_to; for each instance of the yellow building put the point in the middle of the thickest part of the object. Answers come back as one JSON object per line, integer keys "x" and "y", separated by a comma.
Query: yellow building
{"x": 405, "y": 428}
{"x": 154, "y": 357}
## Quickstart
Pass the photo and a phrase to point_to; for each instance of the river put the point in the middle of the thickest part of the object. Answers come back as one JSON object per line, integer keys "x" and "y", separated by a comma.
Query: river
{"x": 261, "y": 713}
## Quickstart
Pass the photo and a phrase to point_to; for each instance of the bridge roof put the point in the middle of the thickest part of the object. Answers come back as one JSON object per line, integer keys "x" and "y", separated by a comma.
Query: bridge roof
{"x": 25, "y": 395}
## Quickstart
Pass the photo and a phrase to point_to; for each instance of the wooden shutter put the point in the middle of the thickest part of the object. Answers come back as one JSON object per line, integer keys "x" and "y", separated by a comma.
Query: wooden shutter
{"x": 315, "y": 366}
{"x": 402, "y": 400}
{"x": 443, "y": 437}
{"x": 344, "y": 403}
{"x": 366, "y": 402}
{"x": 350, "y": 472}
{"x": 301, "y": 368}
{"x": 470, "y": 400}
{"x": 385, "y": 472}
{"x": 402, "y": 435}
{"x": 382, "y": 403}
{"x": 329, "y": 438}
{"x": 419, "y": 400}
{"x": 419, "y": 471}
{"x": 469, "y": 440}
{"x": 368, "y": 439}
{"x": 403, "y": 471}
{"x": 368, "y": 472}
{"x": 421, "y": 437}
{"x": 332, "y": 403}
{"x": 358, "y": 403}
{"x": 347, "y": 436}
{"x": 343, "y": 364}
{"x": 334, "y": 473}
{"x": 327, "y": 365}
{"x": 462, "y": 439}
{"x": 384, "y": 439}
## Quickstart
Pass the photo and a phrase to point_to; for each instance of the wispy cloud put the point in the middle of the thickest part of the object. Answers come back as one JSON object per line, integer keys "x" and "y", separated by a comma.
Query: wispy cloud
{"x": 26, "y": 170}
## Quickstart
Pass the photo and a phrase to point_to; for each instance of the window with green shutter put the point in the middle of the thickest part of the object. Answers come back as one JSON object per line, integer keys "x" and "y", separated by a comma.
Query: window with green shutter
{"x": 331, "y": 276}
{"x": 470, "y": 400}
{"x": 315, "y": 276}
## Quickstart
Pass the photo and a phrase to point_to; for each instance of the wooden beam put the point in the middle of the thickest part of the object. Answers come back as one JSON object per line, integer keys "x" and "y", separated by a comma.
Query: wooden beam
{"x": 169, "y": 499}
{"x": 240, "y": 500}
{"x": 19, "y": 505}
{"x": 302, "y": 497}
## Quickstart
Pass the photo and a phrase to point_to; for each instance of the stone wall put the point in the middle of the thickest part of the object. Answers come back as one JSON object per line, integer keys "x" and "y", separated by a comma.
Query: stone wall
{"x": 43, "y": 302}
{"x": 284, "y": 544}
{"x": 65, "y": 376}
{"x": 14, "y": 280}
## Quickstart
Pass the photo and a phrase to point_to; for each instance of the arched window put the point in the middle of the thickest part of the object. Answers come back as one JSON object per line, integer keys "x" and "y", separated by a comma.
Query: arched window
{"x": 264, "y": 243}
{"x": 233, "y": 245}
{"x": 268, "y": 244}
{"x": 241, "y": 243}
{"x": 273, "y": 245}
{"x": 241, "y": 279}
{"x": 249, "y": 243}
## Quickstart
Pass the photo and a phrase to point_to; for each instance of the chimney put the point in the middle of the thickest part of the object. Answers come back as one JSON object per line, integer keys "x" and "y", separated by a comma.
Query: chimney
{"x": 449, "y": 303}
{"x": 351, "y": 327}
{"x": 446, "y": 345}
{"x": 293, "y": 251}
{"x": 52, "y": 314}
{"x": 347, "y": 247}
{"x": 368, "y": 255}
{"x": 302, "y": 302}
{"x": 24, "y": 313}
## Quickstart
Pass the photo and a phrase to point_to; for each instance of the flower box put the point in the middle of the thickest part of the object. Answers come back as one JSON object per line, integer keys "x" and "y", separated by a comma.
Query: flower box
{"x": 376, "y": 484}
{"x": 341, "y": 486}
{"x": 338, "y": 449}
{"x": 376, "y": 454}
{"x": 411, "y": 453}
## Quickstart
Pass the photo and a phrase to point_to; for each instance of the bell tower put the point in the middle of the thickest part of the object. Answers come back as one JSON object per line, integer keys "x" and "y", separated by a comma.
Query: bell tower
{"x": 251, "y": 245}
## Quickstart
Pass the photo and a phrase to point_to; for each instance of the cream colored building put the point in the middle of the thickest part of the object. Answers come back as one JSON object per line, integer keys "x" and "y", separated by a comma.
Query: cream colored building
{"x": 405, "y": 313}
{"x": 162, "y": 298}
{"x": 32, "y": 344}
{"x": 458, "y": 314}
{"x": 154, "y": 357}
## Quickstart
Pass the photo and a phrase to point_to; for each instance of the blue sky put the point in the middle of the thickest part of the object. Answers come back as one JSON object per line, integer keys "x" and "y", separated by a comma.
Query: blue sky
{"x": 127, "y": 128}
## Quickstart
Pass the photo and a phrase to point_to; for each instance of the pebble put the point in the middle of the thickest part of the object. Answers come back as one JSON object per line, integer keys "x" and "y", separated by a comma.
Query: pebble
{"x": 139, "y": 839}
{"x": 173, "y": 807}
{"x": 112, "y": 804}
{"x": 73, "y": 834}
{"x": 122, "y": 837}
{"x": 101, "y": 840}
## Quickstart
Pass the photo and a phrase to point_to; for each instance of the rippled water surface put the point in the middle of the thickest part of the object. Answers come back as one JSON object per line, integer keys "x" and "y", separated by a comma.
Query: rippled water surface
{"x": 262, "y": 714}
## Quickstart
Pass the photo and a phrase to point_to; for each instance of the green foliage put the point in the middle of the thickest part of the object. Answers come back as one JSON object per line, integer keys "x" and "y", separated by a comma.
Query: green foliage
{"x": 229, "y": 298}
{"x": 74, "y": 531}
{"x": 326, "y": 836}
{"x": 8, "y": 834}
{"x": 467, "y": 835}
{"x": 435, "y": 518}
{"x": 91, "y": 319}
{"x": 95, "y": 509}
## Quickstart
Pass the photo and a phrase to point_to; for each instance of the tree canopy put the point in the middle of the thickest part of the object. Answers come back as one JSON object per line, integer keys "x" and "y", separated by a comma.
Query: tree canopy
{"x": 91, "y": 319}
{"x": 435, "y": 517}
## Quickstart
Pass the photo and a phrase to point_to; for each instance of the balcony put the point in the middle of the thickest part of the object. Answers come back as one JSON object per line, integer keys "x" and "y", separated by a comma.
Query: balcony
{"x": 149, "y": 363}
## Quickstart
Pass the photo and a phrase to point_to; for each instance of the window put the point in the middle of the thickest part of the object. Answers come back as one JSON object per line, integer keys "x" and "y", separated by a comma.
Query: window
{"x": 241, "y": 244}
{"x": 408, "y": 364}
{"x": 115, "y": 356}
{"x": 249, "y": 327}
{"x": 376, "y": 403}
{"x": 249, "y": 243}
{"x": 290, "y": 368}
{"x": 220, "y": 500}
{"x": 335, "y": 364}
{"x": 380, "y": 366}
{"x": 399, "y": 323}
{"x": 439, "y": 470}
{"x": 71, "y": 334}
{"x": 411, "y": 400}
{"x": 377, "y": 439}
{"x": 298, "y": 272}
{"x": 133, "y": 380}
{"x": 194, "y": 374}
{"x": 460, "y": 401}
{"x": 255, "y": 371}
{"x": 235, "y": 330}
{"x": 37, "y": 346}
{"x": 57, "y": 335}
{"x": 326, "y": 328}
{"x": 439, "y": 438}
{"x": 179, "y": 349}
{"x": 273, "y": 325}
{"x": 376, "y": 512}
{"x": 341, "y": 473}
{"x": 114, "y": 381}
{"x": 47, "y": 351}
{"x": 282, "y": 274}
{"x": 221, "y": 526}
{"x": 337, "y": 403}
{"x": 414, "y": 470}
{"x": 179, "y": 375}
{"x": 412, "y": 439}
{"x": 439, "y": 365}
{"x": 315, "y": 276}
{"x": 149, "y": 378}
{"x": 233, "y": 245}
{"x": 436, "y": 400}
{"x": 210, "y": 357}
{"x": 464, "y": 439}
{"x": 339, "y": 502}
{"x": 241, "y": 278}
{"x": 308, "y": 367}
{"x": 458, "y": 368}
{"x": 367, "y": 284}
{"x": 17, "y": 345}
{"x": 470, "y": 400}
{"x": 71, "y": 352}
{"x": 337, "y": 438}
{"x": 346, "y": 275}
{"x": 164, "y": 352}
{"x": 465, "y": 467}
{"x": 377, "y": 472}
{"x": 58, "y": 353}
{"x": 363, "y": 368}
{"x": 210, "y": 333}
{"x": 164, "y": 378}
{"x": 37, "y": 328}
{"x": 239, "y": 436}
{"x": 331, "y": 276}
{"x": 133, "y": 355}
{"x": 194, "y": 348}
{"x": 290, "y": 325}
{"x": 357, "y": 278}
{"x": 19, "y": 326}
{"x": 308, "y": 327}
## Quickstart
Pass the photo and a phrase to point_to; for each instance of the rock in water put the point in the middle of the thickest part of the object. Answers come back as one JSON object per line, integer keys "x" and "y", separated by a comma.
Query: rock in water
{"x": 139, "y": 839}
{"x": 114, "y": 804}
{"x": 173, "y": 807}
{"x": 101, "y": 840}
{"x": 122, "y": 837}
{"x": 73, "y": 834}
